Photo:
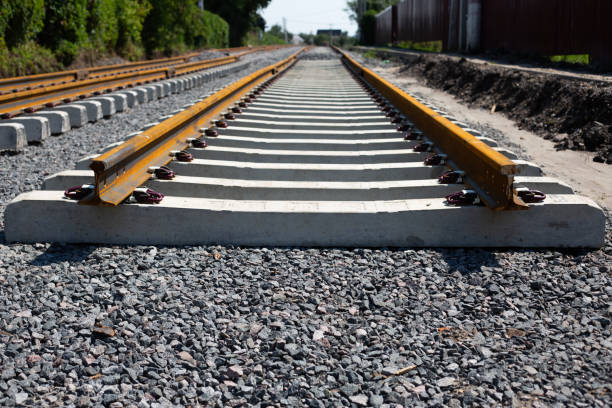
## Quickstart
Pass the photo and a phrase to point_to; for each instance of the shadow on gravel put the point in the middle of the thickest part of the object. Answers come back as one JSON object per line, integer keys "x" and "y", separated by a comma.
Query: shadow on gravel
{"x": 57, "y": 253}
{"x": 468, "y": 260}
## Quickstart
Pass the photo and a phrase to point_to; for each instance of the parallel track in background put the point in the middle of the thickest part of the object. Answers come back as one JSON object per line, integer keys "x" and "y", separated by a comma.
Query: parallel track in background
{"x": 29, "y": 82}
{"x": 50, "y": 90}
{"x": 309, "y": 153}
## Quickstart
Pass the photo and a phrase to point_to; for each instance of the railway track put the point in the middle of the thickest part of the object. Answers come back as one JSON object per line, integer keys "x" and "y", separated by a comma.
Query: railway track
{"x": 308, "y": 153}
{"x": 45, "y": 109}
{"x": 29, "y": 82}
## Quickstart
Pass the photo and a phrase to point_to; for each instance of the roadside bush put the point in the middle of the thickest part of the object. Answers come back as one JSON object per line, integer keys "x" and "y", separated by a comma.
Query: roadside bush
{"x": 187, "y": 26}
{"x": 216, "y": 31}
{"x": 25, "y": 59}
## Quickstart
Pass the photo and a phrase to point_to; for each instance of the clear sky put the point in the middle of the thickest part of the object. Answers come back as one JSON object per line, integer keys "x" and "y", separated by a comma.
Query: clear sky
{"x": 307, "y": 16}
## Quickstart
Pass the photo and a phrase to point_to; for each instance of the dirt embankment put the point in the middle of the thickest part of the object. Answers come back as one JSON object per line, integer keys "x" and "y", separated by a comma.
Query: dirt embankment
{"x": 575, "y": 114}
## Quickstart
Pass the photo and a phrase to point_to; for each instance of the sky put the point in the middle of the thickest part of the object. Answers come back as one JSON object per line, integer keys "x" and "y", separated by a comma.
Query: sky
{"x": 307, "y": 16}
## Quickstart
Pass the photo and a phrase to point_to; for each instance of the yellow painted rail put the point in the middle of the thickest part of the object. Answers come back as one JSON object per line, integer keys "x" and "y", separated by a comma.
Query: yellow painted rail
{"x": 121, "y": 170}
{"x": 488, "y": 172}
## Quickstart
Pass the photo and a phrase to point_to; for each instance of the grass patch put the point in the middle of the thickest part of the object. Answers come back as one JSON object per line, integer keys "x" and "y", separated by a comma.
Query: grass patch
{"x": 369, "y": 54}
{"x": 571, "y": 59}
{"x": 427, "y": 46}
{"x": 27, "y": 59}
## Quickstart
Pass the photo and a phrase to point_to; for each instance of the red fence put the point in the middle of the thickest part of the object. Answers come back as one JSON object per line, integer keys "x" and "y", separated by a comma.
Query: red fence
{"x": 385, "y": 29}
{"x": 423, "y": 20}
{"x": 548, "y": 27}
{"x": 542, "y": 27}
{"x": 416, "y": 20}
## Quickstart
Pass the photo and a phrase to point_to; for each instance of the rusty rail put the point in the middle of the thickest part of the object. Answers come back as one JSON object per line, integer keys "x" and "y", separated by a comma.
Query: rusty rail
{"x": 488, "y": 172}
{"x": 121, "y": 170}
{"x": 16, "y": 84}
{"x": 12, "y": 104}
{"x": 28, "y": 82}
{"x": 29, "y": 101}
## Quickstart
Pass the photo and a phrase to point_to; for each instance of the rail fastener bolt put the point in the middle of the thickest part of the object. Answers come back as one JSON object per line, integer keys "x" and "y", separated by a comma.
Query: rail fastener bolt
{"x": 451, "y": 177}
{"x": 197, "y": 142}
{"x": 210, "y": 132}
{"x": 435, "y": 160}
{"x": 181, "y": 156}
{"x": 162, "y": 173}
{"x": 423, "y": 147}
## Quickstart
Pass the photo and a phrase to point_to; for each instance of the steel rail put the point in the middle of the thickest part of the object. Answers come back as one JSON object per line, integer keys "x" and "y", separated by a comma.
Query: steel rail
{"x": 121, "y": 170}
{"x": 15, "y": 84}
{"x": 27, "y": 82}
{"x": 49, "y": 96}
{"x": 29, "y": 101}
{"x": 488, "y": 172}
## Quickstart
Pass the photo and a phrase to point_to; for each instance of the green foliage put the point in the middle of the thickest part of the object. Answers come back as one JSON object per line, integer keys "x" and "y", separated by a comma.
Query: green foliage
{"x": 572, "y": 59}
{"x": 367, "y": 27}
{"x": 258, "y": 37}
{"x": 102, "y": 24}
{"x": 217, "y": 31}
{"x": 241, "y": 16}
{"x": 25, "y": 59}
{"x": 323, "y": 39}
{"x": 369, "y": 54}
{"x": 65, "y": 28}
{"x": 21, "y": 20}
{"x": 186, "y": 26}
{"x": 428, "y": 46}
{"x": 277, "y": 31}
{"x": 274, "y": 36}
{"x": 375, "y": 5}
{"x": 271, "y": 39}
{"x": 130, "y": 18}
{"x": 85, "y": 30}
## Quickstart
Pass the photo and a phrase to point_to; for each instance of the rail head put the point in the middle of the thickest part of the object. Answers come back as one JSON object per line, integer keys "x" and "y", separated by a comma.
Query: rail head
{"x": 121, "y": 170}
{"x": 488, "y": 172}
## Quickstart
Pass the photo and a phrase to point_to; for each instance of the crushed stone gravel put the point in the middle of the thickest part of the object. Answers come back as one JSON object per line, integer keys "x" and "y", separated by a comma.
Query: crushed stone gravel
{"x": 231, "y": 326}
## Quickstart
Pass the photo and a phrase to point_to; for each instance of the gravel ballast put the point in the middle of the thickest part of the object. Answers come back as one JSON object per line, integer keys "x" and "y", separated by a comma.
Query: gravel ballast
{"x": 85, "y": 325}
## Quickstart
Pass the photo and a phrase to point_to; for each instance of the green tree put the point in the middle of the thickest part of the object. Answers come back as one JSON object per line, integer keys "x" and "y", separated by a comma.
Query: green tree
{"x": 65, "y": 28}
{"x": 172, "y": 26}
{"x": 130, "y": 18}
{"x": 240, "y": 15}
{"x": 277, "y": 31}
{"x": 352, "y": 7}
{"x": 367, "y": 27}
{"x": 307, "y": 38}
{"x": 102, "y": 24}
{"x": 21, "y": 20}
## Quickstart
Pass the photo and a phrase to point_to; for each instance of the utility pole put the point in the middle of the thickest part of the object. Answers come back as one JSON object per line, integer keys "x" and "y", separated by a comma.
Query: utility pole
{"x": 201, "y": 4}
{"x": 285, "y": 28}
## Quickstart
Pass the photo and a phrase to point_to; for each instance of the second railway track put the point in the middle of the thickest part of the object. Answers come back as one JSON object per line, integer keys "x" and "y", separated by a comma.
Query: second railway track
{"x": 46, "y": 104}
{"x": 307, "y": 152}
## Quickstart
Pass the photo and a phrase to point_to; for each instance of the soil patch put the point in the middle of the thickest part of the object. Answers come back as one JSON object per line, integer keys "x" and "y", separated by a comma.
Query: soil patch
{"x": 575, "y": 114}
